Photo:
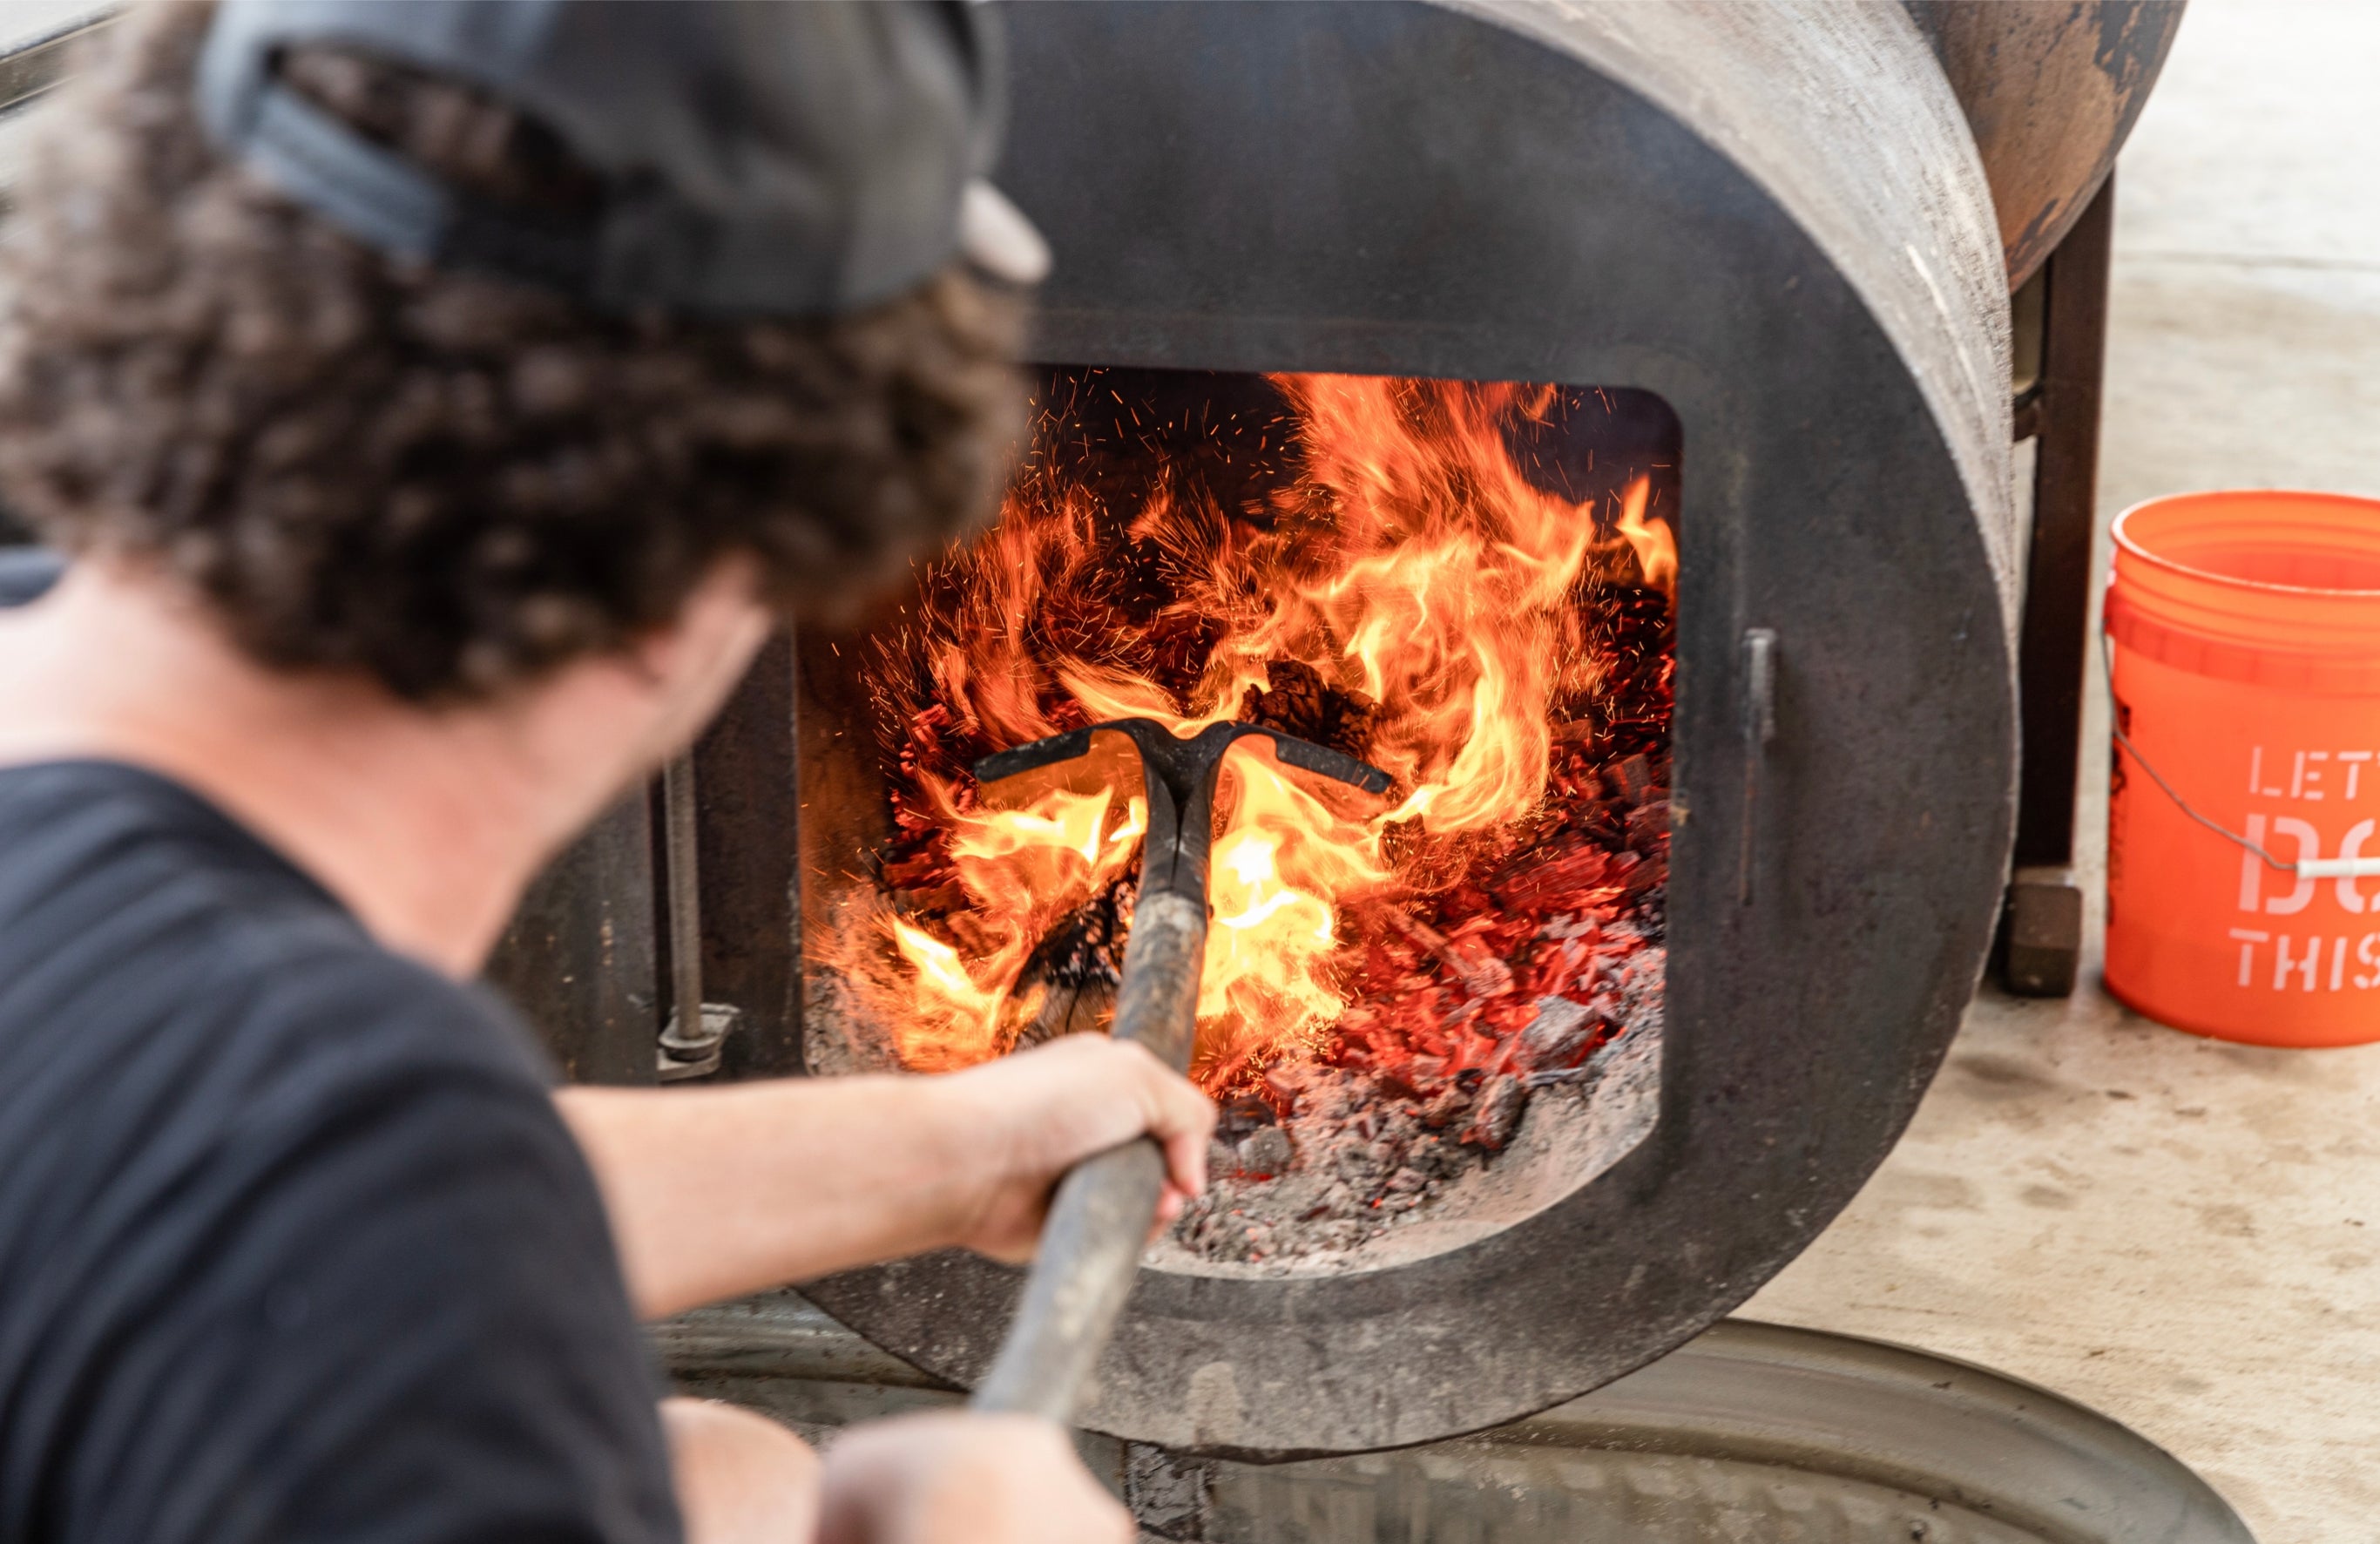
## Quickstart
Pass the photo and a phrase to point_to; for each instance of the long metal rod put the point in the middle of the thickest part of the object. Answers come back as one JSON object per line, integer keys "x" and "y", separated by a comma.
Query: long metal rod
{"x": 685, "y": 895}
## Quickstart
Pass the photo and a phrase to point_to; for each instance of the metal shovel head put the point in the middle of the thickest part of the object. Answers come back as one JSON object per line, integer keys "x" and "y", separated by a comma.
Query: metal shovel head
{"x": 1148, "y": 735}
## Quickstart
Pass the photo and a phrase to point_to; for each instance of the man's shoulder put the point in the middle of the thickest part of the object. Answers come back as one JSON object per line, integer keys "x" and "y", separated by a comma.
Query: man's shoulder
{"x": 137, "y": 911}
{"x": 193, "y": 1036}
{"x": 183, "y": 1013}
{"x": 258, "y": 1168}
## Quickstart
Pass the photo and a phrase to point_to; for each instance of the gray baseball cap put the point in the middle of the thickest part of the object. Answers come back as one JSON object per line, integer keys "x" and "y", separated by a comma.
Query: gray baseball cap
{"x": 756, "y": 156}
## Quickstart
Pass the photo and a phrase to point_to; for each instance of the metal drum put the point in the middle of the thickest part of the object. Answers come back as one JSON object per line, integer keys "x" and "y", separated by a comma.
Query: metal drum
{"x": 1774, "y": 219}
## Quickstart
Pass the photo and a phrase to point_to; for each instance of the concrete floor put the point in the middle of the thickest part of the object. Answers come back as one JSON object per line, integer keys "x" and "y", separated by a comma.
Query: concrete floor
{"x": 2183, "y": 1234}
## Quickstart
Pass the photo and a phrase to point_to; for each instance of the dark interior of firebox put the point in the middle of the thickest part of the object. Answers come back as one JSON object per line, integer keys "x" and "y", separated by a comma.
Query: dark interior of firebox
{"x": 1424, "y": 1015}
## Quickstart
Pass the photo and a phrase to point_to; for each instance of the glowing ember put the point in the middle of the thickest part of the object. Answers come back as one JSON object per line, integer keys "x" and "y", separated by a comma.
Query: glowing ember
{"x": 1398, "y": 579}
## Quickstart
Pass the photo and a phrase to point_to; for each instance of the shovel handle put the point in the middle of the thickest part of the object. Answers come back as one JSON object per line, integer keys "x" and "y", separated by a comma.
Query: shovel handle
{"x": 1101, "y": 1213}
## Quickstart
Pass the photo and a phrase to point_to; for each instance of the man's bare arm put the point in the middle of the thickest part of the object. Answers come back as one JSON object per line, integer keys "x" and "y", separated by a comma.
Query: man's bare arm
{"x": 717, "y": 1192}
{"x": 942, "y": 1477}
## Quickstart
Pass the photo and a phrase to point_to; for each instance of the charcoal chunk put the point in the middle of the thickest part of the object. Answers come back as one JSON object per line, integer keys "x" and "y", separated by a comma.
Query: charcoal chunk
{"x": 1266, "y": 1152}
{"x": 1648, "y": 824}
{"x": 1435, "y": 1157}
{"x": 1652, "y": 870}
{"x": 1501, "y": 1105}
{"x": 1554, "y": 876}
{"x": 1450, "y": 1107}
{"x": 1241, "y": 1115}
{"x": 1481, "y": 974}
{"x": 1561, "y": 1032}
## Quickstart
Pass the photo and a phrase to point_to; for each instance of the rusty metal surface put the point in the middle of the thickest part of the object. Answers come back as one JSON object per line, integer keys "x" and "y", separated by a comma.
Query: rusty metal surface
{"x": 1413, "y": 189}
{"x": 2051, "y": 91}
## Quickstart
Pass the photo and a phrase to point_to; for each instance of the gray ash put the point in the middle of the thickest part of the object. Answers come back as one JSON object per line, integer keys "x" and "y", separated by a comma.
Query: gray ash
{"x": 1328, "y": 1158}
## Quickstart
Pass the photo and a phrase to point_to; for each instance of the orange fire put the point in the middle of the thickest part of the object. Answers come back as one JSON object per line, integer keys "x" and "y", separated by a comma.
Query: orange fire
{"x": 1416, "y": 569}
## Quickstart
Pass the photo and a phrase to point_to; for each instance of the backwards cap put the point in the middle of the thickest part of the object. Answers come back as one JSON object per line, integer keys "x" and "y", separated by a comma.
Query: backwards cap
{"x": 755, "y": 157}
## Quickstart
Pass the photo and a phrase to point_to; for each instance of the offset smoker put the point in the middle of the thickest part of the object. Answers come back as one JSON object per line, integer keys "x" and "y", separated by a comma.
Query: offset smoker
{"x": 1777, "y": 222}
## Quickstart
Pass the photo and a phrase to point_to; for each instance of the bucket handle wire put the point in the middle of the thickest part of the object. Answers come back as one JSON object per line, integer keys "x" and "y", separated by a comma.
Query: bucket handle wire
{"x": 2304, "y": 867}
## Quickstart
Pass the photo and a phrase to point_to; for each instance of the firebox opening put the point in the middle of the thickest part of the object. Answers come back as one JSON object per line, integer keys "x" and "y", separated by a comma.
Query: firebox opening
{"x": 1425, "y": 1014}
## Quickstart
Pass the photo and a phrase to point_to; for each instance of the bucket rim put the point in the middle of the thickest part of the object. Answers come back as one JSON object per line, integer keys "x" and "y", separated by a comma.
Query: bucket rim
{"x": 2123, "y": 540}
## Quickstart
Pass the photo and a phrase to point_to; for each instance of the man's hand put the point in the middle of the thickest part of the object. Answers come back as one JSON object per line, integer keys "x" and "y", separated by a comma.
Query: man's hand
{"x": 953, "y": 1479}
{"x": 1031, "y": 1116}
{"x": 947, "y": 1478}
{"x": 740, "y": 1477}
{"x": 715, "y": 1192}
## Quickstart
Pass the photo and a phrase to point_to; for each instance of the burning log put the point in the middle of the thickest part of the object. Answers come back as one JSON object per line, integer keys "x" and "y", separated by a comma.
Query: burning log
{"x": 1078, "y": 964}
{"x": 1087, "y": 945}
{"x": 1296, "y": 701}
{"x": 1064, "y": 1010}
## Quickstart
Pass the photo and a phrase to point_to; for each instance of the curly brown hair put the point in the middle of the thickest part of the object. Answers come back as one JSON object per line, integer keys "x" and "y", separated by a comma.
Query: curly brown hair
{"x": 450, "y": 480}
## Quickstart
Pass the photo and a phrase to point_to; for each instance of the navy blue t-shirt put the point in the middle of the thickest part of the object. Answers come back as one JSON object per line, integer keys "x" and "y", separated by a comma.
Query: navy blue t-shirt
{"x": 292, "y": 1243}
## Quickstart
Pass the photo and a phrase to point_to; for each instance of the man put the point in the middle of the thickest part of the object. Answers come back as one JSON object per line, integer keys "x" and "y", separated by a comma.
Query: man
{"x": 441, "y": 403}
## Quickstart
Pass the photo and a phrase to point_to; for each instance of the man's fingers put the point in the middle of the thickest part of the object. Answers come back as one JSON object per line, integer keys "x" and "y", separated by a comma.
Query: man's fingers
{"x": 1181, "y": 1118}
{"x": 1042, "y": 1110}
{"x": 1169, "y": 1210}
{"x": 1186, "y": 1160}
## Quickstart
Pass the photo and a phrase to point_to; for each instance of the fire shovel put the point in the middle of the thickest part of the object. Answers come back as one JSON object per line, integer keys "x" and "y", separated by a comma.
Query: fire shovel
{"x": 1103, "y": 1209}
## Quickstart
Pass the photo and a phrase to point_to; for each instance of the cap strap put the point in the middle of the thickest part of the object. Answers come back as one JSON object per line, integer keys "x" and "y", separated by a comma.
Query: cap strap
{"x": 387, "y": 201}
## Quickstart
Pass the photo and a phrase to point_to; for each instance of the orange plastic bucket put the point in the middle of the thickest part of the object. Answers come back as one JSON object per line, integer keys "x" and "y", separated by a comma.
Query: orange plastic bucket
{"x": 2246, "y": 673}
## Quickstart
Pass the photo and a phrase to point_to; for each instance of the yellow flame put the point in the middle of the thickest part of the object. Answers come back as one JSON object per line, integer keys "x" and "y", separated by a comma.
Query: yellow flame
{"x": 1023, "y": 870}
{"x": 1655, "y": 548}
{"x": 1448, "y": 604}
